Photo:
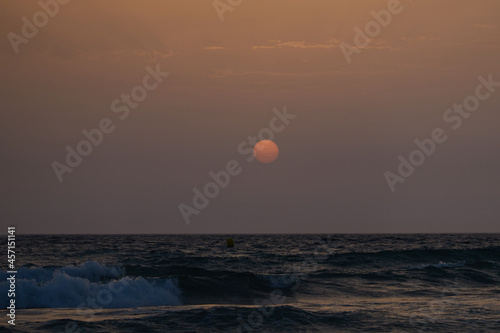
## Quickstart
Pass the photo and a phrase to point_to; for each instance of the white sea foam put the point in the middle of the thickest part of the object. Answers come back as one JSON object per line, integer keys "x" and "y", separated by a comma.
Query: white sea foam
{"x": 82, "y": 286}
{"x": 440, "y": 265}
{"x": 89, "y": 270}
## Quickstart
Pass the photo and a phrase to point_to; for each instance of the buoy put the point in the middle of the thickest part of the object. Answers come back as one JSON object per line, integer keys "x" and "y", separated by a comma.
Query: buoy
{"x": 230, "y": 242}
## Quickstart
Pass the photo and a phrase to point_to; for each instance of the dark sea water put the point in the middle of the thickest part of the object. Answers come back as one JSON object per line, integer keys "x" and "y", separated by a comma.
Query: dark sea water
{"x": 266, "y": 283}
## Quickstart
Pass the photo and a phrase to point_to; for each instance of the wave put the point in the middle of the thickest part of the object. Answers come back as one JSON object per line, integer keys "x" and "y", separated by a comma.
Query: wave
{"x": 84, "y": 287}
{"x": 282, "y": 281}
{"x": 229, "y": 318}
{"x": 440, "y": 265}
{"x": 92, "y": 284}
{"x": 90, "y": 270}
{"x": 416, "y": 255}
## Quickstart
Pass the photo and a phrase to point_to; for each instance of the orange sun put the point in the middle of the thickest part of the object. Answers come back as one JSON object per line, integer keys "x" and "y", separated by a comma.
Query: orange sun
{"x": 266, "y": 151}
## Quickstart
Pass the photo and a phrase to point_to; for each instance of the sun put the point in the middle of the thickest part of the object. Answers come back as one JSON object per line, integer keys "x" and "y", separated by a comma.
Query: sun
{"x": 266, "y": 151}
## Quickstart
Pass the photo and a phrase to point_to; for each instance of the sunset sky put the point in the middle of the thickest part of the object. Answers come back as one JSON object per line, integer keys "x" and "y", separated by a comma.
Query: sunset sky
{"x": 352, "y": 120}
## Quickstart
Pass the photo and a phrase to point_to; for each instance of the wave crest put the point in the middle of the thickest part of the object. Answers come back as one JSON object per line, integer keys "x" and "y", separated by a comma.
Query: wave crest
{"x": 83, "y": 287}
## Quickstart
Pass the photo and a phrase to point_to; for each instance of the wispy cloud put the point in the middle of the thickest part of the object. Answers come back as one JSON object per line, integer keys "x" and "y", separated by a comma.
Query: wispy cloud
{"x": 214, "y": 48}
{"x": 418, "y": 39}
{"x": 382, "y": 44}
{"x": 276, "y": 44}
{"x": 222, "y": 73}
{"x": 152, "y": 55}
{"x": 485, "y": 26}
{"x": 385, "y": 44}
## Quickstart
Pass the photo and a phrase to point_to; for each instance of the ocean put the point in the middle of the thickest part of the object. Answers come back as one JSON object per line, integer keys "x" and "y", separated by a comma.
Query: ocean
{"x": 266, "y": 283}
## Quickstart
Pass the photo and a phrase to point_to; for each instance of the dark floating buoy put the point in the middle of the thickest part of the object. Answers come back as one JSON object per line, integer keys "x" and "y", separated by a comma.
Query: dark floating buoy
{"x": 230, "y": 242}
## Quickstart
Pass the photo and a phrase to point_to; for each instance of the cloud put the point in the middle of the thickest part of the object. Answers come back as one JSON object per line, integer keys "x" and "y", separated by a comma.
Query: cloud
{"x": 378, "y": 44}
{"x": 277, "y": 44}
{"x": 214, "y": 48}
{"x": 152, "y": 55}
{"x": 485, "y": 26}
{"x": 418, "y": 39}
{"x": 382, "y": 44}
{"x": 222, "y": 73}
{"x": 397, "y": 45}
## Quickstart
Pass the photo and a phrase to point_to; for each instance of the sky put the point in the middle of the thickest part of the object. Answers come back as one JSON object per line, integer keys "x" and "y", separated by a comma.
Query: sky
{"x": 208, "y": 76}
